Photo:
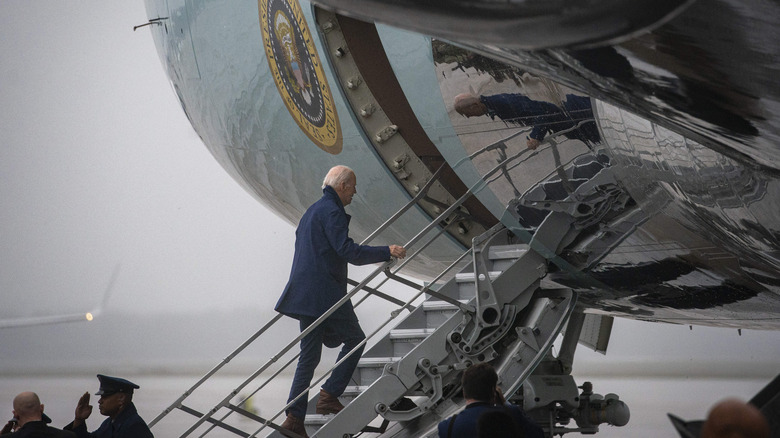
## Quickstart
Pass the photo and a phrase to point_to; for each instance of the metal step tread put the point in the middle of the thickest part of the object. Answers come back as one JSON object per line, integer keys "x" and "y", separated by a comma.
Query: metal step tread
{"x": 438, "y": 305}
{"x": 466, "y": 277}
{"x": 411, "y": 333}
{"x": 317, "y": 419}
{"x": 354, "y": 390}
{"x": 500, "y": 252}
{"x": 367, "y": 362}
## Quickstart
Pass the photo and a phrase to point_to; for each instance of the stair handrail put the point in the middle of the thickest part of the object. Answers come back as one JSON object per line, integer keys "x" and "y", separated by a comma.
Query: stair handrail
{"x": 385, "y": 265}
{"x": 276, "y": 318}
{"x": 393, "y": 315}
{"x": 433, "y": 224}
{"x": 544, "y": 145}
{"x": 215, "y": 369}
{"x": 287, "y": 348}
{"x": 417, "y": 197}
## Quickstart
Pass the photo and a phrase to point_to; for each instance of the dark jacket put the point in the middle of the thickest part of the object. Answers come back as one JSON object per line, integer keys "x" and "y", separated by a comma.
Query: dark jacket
{"x": 544, "y": 116}
{"x": 128, "y": 424}
{"x": 322, "y": 250}
{"x": 465, "y": 424}
{"x": 39, "y": 429}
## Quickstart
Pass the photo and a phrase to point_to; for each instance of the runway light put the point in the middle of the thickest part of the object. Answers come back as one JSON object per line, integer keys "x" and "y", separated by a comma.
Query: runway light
{"x": 89, "y": 316}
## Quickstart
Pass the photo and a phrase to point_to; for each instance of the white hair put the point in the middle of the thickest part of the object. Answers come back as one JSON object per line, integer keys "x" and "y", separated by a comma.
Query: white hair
{"x": 336, "y": 176}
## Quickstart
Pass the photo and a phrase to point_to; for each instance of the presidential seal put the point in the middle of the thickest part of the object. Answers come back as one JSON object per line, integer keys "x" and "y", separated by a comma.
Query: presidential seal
{"x": 298, "y": 73}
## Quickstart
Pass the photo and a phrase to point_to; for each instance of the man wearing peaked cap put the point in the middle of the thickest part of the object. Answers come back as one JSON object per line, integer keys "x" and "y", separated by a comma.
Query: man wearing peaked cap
{"x": 116, "y": 403}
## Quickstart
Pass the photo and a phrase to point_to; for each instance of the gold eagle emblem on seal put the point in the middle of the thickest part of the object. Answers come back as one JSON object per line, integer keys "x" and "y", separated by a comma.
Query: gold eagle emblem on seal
{"x": 297, "y": 72}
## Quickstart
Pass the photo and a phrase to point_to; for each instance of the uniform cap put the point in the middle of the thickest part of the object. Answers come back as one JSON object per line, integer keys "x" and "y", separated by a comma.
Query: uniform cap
{"x": 111, "y": 385}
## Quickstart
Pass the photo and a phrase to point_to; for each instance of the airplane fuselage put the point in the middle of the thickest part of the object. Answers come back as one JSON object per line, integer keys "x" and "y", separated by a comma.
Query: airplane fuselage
{"x": 670, "y": 230}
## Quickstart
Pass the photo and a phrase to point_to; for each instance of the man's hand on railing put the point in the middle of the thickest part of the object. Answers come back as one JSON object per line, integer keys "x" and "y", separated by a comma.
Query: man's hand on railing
{"x": 397, "y": 251}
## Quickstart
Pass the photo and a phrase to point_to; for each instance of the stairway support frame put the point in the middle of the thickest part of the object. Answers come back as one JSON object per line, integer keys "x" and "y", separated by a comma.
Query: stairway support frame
{"x": 545, "y": 248}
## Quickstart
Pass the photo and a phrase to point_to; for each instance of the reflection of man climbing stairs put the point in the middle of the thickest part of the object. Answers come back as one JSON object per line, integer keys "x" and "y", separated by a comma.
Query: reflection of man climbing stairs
{"x": 545, "y": 117}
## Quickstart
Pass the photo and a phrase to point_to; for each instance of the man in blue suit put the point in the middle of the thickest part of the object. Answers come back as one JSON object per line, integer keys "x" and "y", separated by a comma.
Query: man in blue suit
{"x": 484, "y": 398}
{"x": 317, "y": 281}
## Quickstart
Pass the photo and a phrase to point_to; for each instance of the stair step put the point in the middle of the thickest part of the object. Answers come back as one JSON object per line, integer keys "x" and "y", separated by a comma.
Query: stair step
{"x": 411, "y": 333}
{"x": 466, "y": 277}
{"x": 465, "y": 283}
{"x": 376, "y": 362}
{"x": 404, "y": 340}
{"x": 371, "y": 368}
{"x": 440, "y": 306}
{"x": 353, "y": 391}
{"x": 417, "y": 333}
{"x": 317, "y": 419}
{"x": 507, "y": 252}
{"x": 437, "y": 312}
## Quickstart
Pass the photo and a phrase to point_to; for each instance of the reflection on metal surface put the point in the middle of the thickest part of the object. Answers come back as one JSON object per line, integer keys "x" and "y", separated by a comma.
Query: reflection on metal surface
{"x": 709, "y": 73}
{"x": 709, "y": 237}
{"x": 543, "y": 117}
{"x": 713, "y": 192}
{"x": 500, "y": 112}
{"x": 668, "y": 228}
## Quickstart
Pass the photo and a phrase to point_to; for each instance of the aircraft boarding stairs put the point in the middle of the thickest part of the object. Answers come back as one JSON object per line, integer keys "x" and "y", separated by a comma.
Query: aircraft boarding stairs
{"x": 493, "y": 310}
{"x": 412, "y": 374}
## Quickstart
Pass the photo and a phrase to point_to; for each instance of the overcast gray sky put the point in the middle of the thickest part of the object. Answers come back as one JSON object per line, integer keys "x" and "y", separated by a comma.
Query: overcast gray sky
{"x": 99, "y": 168}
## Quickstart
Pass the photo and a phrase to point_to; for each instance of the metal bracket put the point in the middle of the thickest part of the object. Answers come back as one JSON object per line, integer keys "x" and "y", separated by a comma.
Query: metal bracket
{"x": 157, "y": 21}
{"x": 487, "y": 304}
{"x": 367, "y": 110}
{"x": 488, "y": 313}
{"x": 328, "y": 26}
{"x": 479, "y": 339}
{"x": 400, "y": 161}
{"x": 527, "y": 336}
{"x": 354, "y": 82}
{"x": 385, "y": 134}
{"x": 399, "y": 166}
{"x": 424, "y": 405}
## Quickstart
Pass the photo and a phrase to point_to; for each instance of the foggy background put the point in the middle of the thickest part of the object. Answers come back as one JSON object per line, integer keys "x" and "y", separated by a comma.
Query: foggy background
{"x": 102, "y": 177}
{"x": 100, "y": 173}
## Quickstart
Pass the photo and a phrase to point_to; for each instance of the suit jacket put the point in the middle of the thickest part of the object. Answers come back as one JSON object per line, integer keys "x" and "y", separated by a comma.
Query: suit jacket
{"x": 39, "y": 429}
{"x": 466, "y": 422}
{"x": 544, "y": 116}
{"x": 128, "y": 424}
{"x": 322, "y": 250}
